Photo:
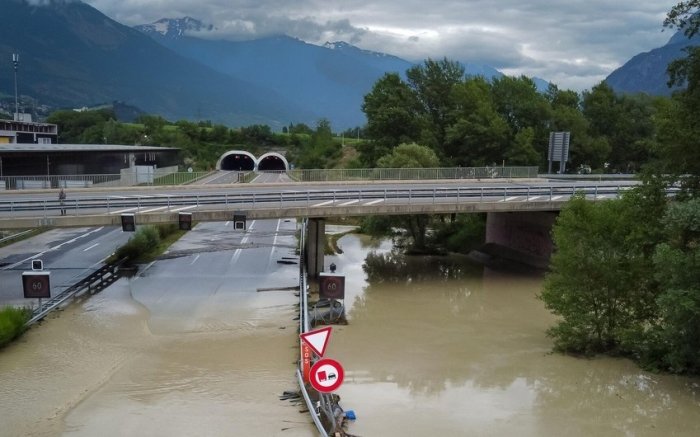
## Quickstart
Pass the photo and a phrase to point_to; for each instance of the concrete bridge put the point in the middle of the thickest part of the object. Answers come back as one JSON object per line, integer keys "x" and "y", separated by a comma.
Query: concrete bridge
{"x": 520, "y": 214}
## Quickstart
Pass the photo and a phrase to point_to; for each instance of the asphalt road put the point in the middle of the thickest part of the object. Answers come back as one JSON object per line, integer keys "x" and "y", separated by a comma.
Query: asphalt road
{"x": 69, "y": 254}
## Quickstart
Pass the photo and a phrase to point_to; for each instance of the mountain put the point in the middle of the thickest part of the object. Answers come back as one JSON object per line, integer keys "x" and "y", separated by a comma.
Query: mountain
{"x": 646, "y": 72}
{"x": 332, "y": 79}
{"x": 71, "y": 55}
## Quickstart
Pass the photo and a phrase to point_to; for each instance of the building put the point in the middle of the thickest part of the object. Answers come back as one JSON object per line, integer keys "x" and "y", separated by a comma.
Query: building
{"x": 32, "y": 149}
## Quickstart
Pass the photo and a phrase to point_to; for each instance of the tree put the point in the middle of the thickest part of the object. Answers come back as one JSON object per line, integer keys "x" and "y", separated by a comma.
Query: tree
{"x": 677, "y": 265}
{"x": 523, "y": 151}
{"x": 393, "y": 117}
{"x": 432, "y": 83}
{"x": 409, "y": 156}
{"x": 600, "y": 280}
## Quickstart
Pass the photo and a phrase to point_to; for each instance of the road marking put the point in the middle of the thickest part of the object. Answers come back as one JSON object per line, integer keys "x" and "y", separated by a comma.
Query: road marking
{"x": 52, "y": 248}
{"x": 323, "y": 204}
{"x": 124, "y": 210}
{"x": 374, "y": 202}
{"x": 244, "y": 240}
{"x": 227, "y": 223}
{"x": 154, "y": 209}
{"x": 349, "y": 203}
{"x": 184, "y": 208}
{"x": 557, "y": 197}
{"x": 533, "y": 198}
{"x": 274, "y": 242}
{"x": 194, "y": 260}
{"x": 94, "y": 245}
{"x": 509, "y": 199}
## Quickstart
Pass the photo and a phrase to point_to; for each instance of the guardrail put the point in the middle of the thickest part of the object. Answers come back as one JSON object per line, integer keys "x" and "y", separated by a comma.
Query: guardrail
{"x": 96, "y": 281}
{"x": 379, "y": 174}
{"x": 304, "y": 327}
{"x": 90, "y": 205}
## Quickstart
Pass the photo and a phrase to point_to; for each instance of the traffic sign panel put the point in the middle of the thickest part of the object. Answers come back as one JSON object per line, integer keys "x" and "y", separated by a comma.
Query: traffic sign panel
{"x": 326, "y": 375}
{"x": 331, "y": 286}
{"x": 36, "y": 285}
{"x": 317, "y": 340}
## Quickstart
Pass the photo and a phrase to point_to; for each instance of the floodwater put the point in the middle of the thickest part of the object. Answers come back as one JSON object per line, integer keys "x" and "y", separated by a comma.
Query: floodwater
{"x": 433, "y": 347}
{"x": 441, "y": 347}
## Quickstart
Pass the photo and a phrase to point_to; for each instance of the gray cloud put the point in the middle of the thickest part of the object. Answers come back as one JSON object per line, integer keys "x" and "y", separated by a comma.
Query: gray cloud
{"x": 575, "y": 43}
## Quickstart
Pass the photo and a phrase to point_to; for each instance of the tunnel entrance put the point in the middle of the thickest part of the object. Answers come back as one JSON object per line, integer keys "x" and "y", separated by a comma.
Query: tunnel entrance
{"x": 237, "y": 161}
{"x": 272, "y": 162}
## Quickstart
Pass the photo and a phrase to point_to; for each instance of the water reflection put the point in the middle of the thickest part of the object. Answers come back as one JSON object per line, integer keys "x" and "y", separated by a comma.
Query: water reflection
{"x": 444, "y": 334}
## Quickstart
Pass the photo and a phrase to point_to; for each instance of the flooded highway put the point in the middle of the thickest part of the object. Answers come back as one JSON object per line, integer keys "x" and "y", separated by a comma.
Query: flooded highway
{"x": 434, "y": 346}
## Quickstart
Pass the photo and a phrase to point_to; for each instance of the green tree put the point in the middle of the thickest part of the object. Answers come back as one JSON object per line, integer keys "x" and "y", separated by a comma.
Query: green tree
{"x": 393, "y": 117}
{"x": 523, "y": 151}
{"x": 432, "y": 83}
{"x": 478, "y": 135}
{"x": 409, "y": 156}
{"x": 600, "y": 280}
{"x": 677, "y": 265}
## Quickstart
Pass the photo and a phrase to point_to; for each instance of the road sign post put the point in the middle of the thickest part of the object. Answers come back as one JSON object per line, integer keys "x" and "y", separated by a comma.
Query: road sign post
{"x": 36, "y": 285}
{"x": 128, "y": 222}
{"x": 185, "y": 221}
{"x": 239, "y": 221}
{"x": 331, "y": 286}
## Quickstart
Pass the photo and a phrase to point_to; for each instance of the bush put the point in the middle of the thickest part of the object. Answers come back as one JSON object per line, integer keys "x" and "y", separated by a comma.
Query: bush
{"x": 12, "y": 323}
{"x": 144, "y": 240}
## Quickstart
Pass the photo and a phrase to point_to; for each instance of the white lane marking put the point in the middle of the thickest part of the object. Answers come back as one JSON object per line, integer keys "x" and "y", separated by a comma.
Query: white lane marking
{"x": 184, "y": 208}
{"x": 323, "y": 203}
{"x": 73, "y": 240}
{"x": 274, "y": 242}
{"x": 509, "y": 199}
{"x": 94, "y": 245}
{"x": 374, "y": 202}
{"x": 530, "y": 199}
{"x": 557, "y": 197}
{"x": 124, "y": 210}
{"x": 244, "y": 240}
{"x": 227, "y": 223}
{"x": 154, "y": 209}
{"x": 349, "y": 203}
{"x": 194, "y": 260}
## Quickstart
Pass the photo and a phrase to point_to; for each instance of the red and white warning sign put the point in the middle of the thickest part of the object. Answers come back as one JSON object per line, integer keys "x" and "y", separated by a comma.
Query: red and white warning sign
{"x": 317, "y": 340}
{"x": 326, "y": 375}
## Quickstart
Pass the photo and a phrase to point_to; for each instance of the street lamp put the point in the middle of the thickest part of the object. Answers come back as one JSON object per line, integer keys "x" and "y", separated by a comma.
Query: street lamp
{"x": 15, "y": 63}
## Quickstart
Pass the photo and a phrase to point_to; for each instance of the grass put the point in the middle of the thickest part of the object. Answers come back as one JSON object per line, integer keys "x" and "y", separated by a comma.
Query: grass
{"x": 13, "y": 323}
{"x": 148, "y": 243}
{"x": 30, "y": 234}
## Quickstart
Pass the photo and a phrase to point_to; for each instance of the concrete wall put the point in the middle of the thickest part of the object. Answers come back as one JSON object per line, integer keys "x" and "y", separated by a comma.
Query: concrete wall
{"x": 526, "y": 233}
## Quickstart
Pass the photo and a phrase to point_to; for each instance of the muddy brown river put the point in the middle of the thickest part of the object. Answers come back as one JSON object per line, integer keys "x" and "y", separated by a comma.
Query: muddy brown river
{"x": 433, "y": 347}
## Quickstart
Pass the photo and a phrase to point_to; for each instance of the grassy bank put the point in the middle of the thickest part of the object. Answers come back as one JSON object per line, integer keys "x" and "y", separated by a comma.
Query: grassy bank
{"x": 12, "y": 323}
{"x": 148, "y": 243}
{"x": 14, "y": 237}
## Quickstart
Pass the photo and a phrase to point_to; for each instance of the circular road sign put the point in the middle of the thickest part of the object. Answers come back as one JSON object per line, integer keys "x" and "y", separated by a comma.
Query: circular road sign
{"x": 326, "y": 375}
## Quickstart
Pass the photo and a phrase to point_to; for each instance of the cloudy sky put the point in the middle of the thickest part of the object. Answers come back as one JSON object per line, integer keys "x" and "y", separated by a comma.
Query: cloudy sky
{"x": 574, "y": 43}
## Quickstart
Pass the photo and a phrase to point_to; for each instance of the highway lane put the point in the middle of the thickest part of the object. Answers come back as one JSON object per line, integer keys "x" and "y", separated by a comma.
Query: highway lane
{"x": 69, "y": 254}
{"x": 210, "y": 278}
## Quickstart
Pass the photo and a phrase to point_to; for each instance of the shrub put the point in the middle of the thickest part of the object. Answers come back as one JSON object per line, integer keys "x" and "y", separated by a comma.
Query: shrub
{"x": 12, "y": 323}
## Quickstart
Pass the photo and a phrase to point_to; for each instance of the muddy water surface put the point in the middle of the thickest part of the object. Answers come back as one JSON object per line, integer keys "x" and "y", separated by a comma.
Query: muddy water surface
{"x": 433, "y": 347}
{"x": 439, "y": 347}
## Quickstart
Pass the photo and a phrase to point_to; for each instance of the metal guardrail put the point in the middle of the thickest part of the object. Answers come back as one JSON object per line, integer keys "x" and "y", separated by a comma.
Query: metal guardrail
{"x": 90, "y": 205}
{"x": 96, "y": 281}
{"x": 304, "y": 327}
{"x": 379, "y": 174}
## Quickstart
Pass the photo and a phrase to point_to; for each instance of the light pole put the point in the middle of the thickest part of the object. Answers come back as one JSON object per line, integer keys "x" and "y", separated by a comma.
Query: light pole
{"x": 15, "y": 63}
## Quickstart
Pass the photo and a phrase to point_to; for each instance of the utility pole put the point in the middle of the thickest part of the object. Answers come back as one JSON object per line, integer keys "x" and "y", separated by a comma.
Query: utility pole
{"x": 15, "y": 63}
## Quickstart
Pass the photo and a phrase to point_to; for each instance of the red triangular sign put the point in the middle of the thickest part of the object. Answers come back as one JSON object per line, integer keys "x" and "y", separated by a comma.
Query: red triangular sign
{"x": 317, "y": 340}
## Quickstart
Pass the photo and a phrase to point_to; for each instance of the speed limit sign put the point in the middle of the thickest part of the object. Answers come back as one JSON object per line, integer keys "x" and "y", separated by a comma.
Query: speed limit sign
{"x": 331, "y": 286}
{"x": 36, "y": 285}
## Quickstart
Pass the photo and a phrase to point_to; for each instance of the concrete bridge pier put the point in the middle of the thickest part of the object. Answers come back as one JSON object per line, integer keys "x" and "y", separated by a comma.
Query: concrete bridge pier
{"x": 523, "y": 237}
{"x": 315, "y": 245}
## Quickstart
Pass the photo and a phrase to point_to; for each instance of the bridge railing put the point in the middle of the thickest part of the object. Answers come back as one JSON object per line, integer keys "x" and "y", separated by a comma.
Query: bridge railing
{"x": 102, "y": 204}
{"x": 386, "y": 174}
